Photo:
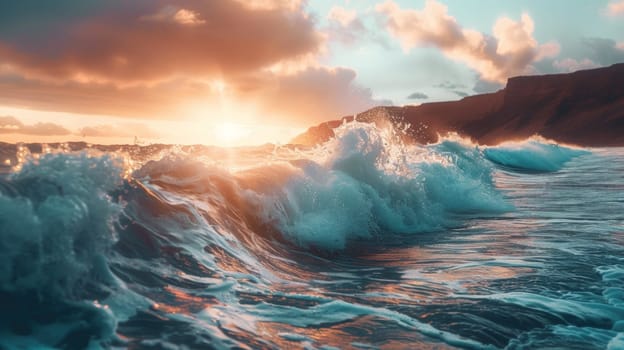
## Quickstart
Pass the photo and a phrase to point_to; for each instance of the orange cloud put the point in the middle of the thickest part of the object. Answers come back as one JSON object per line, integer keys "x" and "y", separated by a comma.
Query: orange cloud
{"x": 154, "y": 60}
{"x": 174, "y": 15}
{"x": 316, "y": 94}
{"x": 159, "y": 101}
{"x": 509, "y": 51}
{"x": 297, "y": 98}
{"x": 151, "y": 41}
{"x": 11, "y": 125}
{"x": 116, "y": 130}
{"x": 272, "y": 4}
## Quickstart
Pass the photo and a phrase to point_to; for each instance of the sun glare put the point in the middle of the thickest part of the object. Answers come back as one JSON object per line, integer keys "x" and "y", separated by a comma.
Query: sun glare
{"x": 219, "y": 86}
{"x": 231, "y": 133}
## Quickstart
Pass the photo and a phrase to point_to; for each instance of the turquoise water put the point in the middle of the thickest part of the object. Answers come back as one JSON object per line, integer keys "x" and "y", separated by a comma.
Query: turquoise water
{"x": 360, "y": 243}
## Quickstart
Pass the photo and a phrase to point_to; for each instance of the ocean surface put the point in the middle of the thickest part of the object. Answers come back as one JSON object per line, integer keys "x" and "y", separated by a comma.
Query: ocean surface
{"x": 360, "y": 243}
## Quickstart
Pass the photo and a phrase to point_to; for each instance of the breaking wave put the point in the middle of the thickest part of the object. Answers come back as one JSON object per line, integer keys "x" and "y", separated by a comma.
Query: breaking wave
{"x": 532, "y": 155}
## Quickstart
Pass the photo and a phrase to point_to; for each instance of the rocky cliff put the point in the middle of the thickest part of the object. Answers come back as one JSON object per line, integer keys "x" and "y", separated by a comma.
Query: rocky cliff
{"x": 584, "y": 108}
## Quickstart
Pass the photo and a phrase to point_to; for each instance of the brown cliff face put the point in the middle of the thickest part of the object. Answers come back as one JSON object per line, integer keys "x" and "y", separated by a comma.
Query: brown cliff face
{"x": 584, "y": 108}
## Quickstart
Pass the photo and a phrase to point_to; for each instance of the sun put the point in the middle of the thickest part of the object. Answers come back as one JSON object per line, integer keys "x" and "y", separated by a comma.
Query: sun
{"x": 231, "y": 133}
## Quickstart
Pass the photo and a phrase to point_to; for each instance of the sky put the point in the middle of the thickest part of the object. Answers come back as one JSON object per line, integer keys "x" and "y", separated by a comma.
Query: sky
{"x": 239, "y": 72}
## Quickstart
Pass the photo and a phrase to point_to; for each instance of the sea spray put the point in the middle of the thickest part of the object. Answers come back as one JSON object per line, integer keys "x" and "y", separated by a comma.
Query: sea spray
{"x": 366, "y": 183}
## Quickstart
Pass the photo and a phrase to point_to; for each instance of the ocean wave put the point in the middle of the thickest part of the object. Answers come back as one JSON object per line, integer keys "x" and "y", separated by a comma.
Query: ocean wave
{"x": 367, "y": 183}
{"x": 362, "y": 184}
{"x": 536, "y": 155}
{"x": 56, "y": 228}
{"x": 92, "y": 245}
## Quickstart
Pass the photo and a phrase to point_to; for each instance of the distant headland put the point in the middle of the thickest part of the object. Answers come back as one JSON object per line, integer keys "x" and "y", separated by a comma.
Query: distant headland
{"x": 585, "y": 108}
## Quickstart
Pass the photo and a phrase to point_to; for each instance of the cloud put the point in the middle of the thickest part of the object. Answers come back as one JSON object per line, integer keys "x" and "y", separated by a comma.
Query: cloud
{"x": 11, "y": 125}
{"x": 348, "y": 27}
{"x": 594, "y": 53}
{"x": 317, "y": 93}
{"x": 568, "y": 65}
{"x": 159, "y": 101}
{"x": 484, "y": 87}
{"x": 615, "y": 8}
{"x": 173, "y": 14}
{"x": 120, "y": 130}
{"x": 147, "y": 41}
{"x": 344, "y": 25}
{"x": 417, "y": 96}
{"x": 296, "y": 98}
{"x": 447, "y": 85}
{"x": 454, "y": 88}
{"x": 509, "y": 51}
{"x": 343, "y": 16}
{"x": 271, "y": 4}
{"x": 604, "y": 51}
{"x": 156, "y": 59}
{"x": 460, "y": 93}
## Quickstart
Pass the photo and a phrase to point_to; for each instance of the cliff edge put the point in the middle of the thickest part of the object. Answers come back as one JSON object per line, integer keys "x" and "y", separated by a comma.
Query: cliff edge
{"x": 585, "y": 108}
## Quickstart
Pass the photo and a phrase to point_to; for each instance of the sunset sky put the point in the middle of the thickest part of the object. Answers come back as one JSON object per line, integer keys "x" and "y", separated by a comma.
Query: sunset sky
{"x": 234, "y": 72}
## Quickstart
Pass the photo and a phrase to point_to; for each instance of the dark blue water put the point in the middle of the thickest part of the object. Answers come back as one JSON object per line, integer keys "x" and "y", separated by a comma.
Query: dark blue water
{"x": 361, "y": 243}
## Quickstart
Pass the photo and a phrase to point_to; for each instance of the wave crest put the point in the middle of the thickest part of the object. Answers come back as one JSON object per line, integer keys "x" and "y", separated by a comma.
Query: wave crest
{"x": 532, "y": 155}
{"x": 365, "y": 182}
{"x": 56, "y": 229}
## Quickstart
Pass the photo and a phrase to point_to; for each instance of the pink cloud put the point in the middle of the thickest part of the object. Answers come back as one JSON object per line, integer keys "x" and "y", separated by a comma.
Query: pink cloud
{"x": 509, "y": 51}
{"x": 345, "y": 26}
{"x": 342, "y": 15}
{"x": 615, "y": 8}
